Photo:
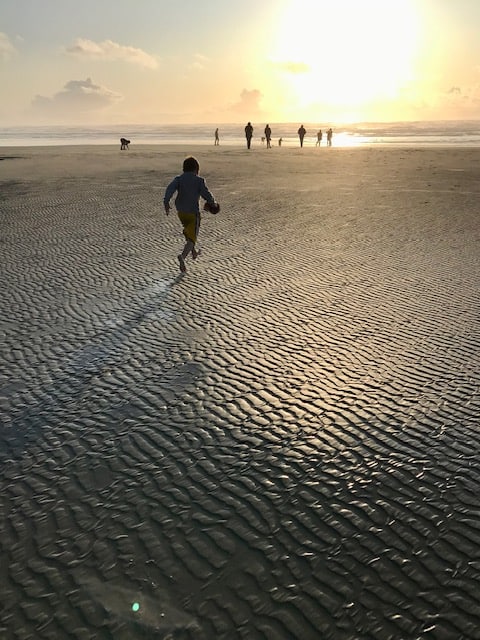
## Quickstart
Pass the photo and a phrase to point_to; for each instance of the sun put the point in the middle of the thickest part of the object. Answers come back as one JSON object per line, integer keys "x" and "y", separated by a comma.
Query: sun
{"x": 346, "y": 53}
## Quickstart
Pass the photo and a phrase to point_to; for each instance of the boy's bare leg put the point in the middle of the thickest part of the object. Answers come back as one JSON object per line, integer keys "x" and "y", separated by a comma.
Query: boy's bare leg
{"x": 181, "y": 261}
{"x": 188, "y": 248}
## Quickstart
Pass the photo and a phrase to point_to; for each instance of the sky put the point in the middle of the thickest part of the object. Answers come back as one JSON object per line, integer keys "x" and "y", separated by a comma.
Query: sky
{"x": 227, "y": 61}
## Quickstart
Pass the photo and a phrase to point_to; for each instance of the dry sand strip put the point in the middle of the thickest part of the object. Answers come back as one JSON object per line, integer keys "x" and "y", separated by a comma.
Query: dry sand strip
{"x": 282, "y": 443}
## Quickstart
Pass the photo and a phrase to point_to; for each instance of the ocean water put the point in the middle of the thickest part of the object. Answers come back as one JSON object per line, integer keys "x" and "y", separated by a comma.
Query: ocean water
{"x": 447, "y": 133}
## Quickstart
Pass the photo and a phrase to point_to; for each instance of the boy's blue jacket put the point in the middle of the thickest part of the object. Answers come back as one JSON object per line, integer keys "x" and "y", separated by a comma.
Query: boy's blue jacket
{"x": 189, "y": 188}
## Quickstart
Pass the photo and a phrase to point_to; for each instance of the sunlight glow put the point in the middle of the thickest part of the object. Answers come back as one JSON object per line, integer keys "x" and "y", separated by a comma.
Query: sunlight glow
{"x": 346, "y": 53}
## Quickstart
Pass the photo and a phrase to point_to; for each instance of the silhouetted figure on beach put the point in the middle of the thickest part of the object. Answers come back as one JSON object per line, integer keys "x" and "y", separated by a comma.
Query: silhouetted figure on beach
{"x": 329, "y": 137}
{"x": 249, "y": 134}
{"x": 268, "y": 136}
{"x": 217, "y": 138}
{"x": 319, "y": 138}
{"x": 124, "y": 143}
{"x": 280, "y": 142}
{"x": 301, "y": 134}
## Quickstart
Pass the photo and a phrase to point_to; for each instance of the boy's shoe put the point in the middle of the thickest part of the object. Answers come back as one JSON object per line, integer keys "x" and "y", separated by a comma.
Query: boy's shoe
{"x": 181, "y": 261}
{"x": 195, "y": 253}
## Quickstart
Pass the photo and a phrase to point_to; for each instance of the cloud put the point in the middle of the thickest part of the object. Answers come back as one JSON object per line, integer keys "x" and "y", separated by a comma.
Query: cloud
{"x": 249, "y": 102}
{"x": 459, "y": 103}
{"x": 76, "y": 98}
{"x": 289, "y": 66}
{"x": 468, "y": 96}
{"x": 6, "y": 47}
{"x": 110, "y": 51}
{"x": 200, "y": 61}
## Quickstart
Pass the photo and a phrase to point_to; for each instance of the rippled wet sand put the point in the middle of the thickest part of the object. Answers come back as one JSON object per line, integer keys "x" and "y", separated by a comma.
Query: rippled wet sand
{"x": 281, "y": 444}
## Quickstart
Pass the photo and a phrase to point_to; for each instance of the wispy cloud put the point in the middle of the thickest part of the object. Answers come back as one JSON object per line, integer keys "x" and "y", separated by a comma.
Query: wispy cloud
{"x": 6, "y": 47}
{"x": 199, "y": 62}
{"x": 77, "y": 96}
{"x": 109, "y": 50}
{"x": 290, "y": 66}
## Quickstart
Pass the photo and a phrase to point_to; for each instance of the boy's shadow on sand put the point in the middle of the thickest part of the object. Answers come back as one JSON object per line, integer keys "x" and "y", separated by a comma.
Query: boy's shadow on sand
{"x": 104, "y": 352}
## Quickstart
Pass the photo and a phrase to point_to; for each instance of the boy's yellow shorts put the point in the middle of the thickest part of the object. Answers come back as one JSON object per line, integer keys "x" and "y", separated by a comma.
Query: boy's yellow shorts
{"x": 191, "y": 225}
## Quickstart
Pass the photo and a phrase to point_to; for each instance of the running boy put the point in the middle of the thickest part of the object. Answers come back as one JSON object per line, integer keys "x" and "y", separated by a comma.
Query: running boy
{"x": 189, "y": 187}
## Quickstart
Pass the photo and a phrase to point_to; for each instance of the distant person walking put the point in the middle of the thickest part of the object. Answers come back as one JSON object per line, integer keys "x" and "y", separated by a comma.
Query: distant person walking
{"x": 217, "y": 138}
{"x": 301, "y": 134}
{"x": 268, "y": 136}
{"x": 319, "y": 138}
{"x": 249, "y": 134}
{"x": 329, "y": 137}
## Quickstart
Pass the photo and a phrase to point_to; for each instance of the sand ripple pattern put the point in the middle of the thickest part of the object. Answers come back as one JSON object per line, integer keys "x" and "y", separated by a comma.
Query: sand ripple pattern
{"x": 282, "y": 444}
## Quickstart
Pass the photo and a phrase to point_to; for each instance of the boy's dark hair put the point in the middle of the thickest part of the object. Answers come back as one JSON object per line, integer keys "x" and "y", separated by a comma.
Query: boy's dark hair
{"x": 191, "y": 164}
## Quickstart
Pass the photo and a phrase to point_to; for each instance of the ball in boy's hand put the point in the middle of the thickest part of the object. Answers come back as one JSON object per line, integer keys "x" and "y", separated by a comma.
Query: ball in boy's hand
{"x": 212, "y": 208}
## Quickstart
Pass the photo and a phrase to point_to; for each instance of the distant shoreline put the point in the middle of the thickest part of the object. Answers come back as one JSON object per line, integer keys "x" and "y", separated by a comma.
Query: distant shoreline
{"x": 257, "y": 147}
{"x": 401, "y": 134}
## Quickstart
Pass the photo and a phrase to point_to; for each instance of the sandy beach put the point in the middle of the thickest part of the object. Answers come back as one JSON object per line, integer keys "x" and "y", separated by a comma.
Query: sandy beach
{"x": 281, "y": 444}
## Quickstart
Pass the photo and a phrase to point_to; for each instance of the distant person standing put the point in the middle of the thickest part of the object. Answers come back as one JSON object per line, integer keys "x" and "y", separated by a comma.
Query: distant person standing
{"x": 217, "y": 137}
{"x": 268, "y": 136}
{"x": 319, "y": 138}
{"x": 249, "y": 134}
{"x": 329, "y": 137}
{"x": 301, "y": 134}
